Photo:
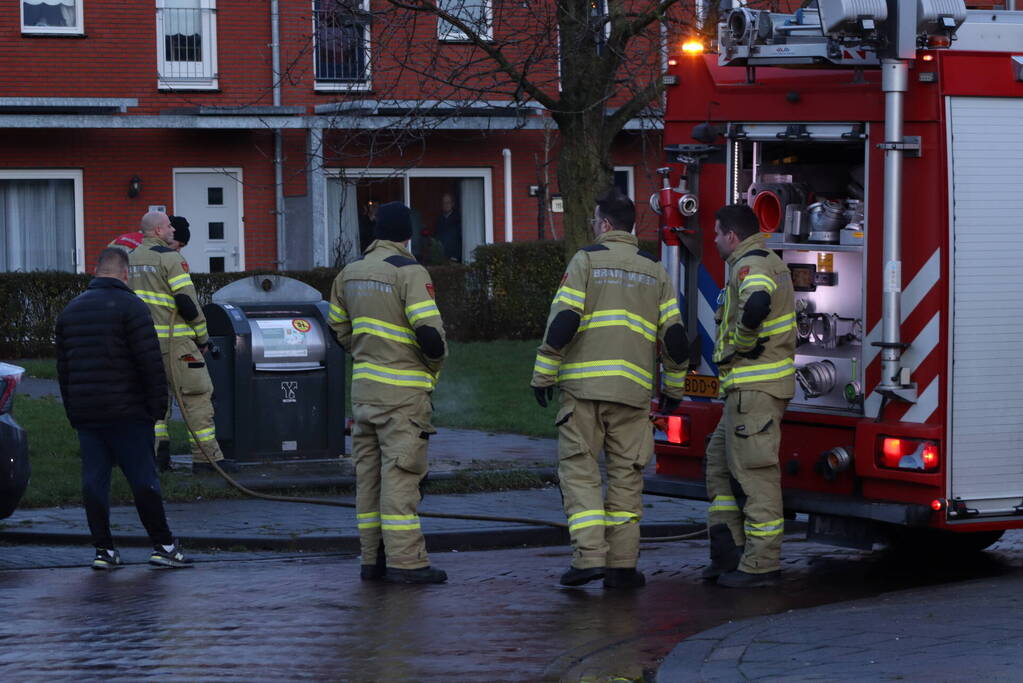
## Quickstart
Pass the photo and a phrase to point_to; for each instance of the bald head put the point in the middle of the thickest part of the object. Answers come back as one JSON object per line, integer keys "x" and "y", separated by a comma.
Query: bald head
{"x": 157, "y": 224}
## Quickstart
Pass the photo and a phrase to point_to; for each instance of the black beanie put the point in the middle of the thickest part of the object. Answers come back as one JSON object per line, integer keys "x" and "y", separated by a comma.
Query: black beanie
{"x": 181, "y": 231}
{"x": 394, "y": 222}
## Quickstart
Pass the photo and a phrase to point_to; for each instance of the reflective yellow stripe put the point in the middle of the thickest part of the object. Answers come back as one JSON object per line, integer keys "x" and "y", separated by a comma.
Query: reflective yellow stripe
{"x": 586, "y": 518}
{"x": 772, "y": 528}
{"x": 180, "y": 282}
{"x": 400, "y": 522}
{"x": 723, "y": 504}
{"x": 368, "y": 520}
{"x": 607, "y": 368}
{"x": 668, "y": 309}
{"x": 385, "y": 330}
{"x": 399, "y": 378}
{"x": 337, "y": 314}
{"x": 758, "y": 373}
{"x": 155, "y": 298}
{"x": 163, "y": 331}
{"x": 675, "y": 379}
{"x": 545, "y": 365}
{"x": 200, "y": 329}
{"x": 621, "y": 318}
{"x": 161, "y": 429}
{"x": 208, "y": 434}
{"x": 758, "y": 280}
{"x": 719, "y": 346}
{"x": 572, "y": 297}
{"x": 616, "y": 517}
{"x": 420, "y": 311}
{"x": 778, "y": 325}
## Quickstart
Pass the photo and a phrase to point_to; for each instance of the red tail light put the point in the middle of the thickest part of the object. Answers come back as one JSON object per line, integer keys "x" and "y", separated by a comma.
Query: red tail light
{"x": 909, "y": 454}
{"x": 672, "y": 429}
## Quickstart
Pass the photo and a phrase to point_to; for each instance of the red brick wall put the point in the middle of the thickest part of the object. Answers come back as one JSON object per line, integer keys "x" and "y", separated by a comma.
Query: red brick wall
{"x": 108, "y": 160}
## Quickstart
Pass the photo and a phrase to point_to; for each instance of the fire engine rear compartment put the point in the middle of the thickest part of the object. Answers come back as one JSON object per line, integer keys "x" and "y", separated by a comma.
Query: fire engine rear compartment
{"x": 985, "y": 399}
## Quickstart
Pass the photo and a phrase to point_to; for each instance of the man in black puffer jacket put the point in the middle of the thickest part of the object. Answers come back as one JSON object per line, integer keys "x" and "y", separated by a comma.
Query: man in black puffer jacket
{"x": 114, "y": 389}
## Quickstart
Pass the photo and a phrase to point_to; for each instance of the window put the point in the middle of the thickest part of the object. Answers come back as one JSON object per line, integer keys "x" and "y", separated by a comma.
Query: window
{"x": 474, "y": 13}
{"x": 52, "y": 16}
{"x": 624, "y": 182}
{"x": 186, "y": 44}
{"x": 40, "y": 220}
{"x": 341, "y": 44}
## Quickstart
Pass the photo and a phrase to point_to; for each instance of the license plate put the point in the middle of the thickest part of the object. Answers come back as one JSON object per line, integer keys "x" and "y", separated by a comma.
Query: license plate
{"x": 704, "y": 386}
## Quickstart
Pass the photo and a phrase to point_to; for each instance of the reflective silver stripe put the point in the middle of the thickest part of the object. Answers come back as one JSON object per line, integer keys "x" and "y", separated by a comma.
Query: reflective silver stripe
{"x": 723, "y": 504}
{"x": 772, "y": 528}
{"x": 752, "y": 281}
{"x": 619, "y": 317}
{"x": 572, "y": 297}
{"x": 780, "y": 324}
{"x": 379, "y": 329}
{"x": 606, "y": 368}
{"x": 546, "y": 366}
{"x": 409, "y": 378}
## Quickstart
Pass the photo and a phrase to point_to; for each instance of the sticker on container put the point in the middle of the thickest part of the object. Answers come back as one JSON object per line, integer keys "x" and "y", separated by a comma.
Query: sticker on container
{"x": 301, "y": 325}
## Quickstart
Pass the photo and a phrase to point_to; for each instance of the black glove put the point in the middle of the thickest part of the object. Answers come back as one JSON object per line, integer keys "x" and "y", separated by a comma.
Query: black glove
{"x": 753, "y": 353}
{"x": 669, "y": 404}
{"x": 212, "y": 349}
{"x": 543, "y": 395}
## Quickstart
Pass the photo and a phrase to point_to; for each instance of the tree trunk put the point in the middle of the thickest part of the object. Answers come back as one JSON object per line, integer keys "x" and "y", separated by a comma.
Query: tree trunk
{"x": 584, "y": 173}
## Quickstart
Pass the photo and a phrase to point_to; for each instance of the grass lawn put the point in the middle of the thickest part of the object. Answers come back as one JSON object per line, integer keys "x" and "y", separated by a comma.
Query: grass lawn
{"x": 41, "y": 368}
{"x": 483, "y": 386}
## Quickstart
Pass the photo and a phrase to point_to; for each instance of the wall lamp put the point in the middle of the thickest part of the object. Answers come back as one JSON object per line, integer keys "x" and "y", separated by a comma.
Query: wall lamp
{"x": 134, "y": 186}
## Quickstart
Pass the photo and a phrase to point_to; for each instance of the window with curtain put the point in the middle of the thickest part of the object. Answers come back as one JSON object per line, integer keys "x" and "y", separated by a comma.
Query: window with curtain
{"x": 51, "y": 16}
{"x": 186, "y": 42}
{"x": 37, "y": 225}
{"x": 341, "y": 40}
{"x": 474, "y": 13}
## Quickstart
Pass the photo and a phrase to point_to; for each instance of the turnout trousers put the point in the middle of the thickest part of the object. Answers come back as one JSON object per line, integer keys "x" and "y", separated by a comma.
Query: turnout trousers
{"x": 389, "y": 449}
{"x": 745, "y": 447}
{"x": 187, "y": 373}
{"x": 604, "y": 528}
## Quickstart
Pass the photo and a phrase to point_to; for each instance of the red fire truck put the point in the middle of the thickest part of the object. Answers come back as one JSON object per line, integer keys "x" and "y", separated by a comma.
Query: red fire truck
{"x": 881, "y": 146}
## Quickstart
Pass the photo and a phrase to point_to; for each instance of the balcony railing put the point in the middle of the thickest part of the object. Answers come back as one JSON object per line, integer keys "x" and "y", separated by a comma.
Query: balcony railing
{"x": 341, "y": 50}
{"x": 186, "y": 46}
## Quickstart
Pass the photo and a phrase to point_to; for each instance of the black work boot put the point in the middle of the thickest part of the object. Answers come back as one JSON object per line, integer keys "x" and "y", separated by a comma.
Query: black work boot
{"x": 163, "y": 461}
{"x": 421, "y": 575}
{"x": 741, "y": 579}
{"x": 624, "y": 578}
{"x": 376, "y": 571}
{"x": 577, "y": 577}
{"x": 724, "y": 553}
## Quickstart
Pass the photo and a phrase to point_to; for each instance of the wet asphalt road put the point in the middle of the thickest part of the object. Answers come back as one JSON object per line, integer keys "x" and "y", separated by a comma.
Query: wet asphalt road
{"x": 502, "y": 617}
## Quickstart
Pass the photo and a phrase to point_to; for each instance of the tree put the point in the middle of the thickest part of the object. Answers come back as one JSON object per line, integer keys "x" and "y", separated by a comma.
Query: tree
{"x": 593, "y": 65}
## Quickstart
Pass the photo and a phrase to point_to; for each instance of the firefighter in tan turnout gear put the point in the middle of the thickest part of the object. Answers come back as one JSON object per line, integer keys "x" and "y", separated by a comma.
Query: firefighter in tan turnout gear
{"x": 754, "y": 352}
{"x": 159, "y": 275}
{"x": 614, "y": 305}
{"x": 383, "y": 313}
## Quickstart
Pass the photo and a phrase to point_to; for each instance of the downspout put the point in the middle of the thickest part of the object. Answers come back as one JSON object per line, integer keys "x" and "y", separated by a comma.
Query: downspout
{"x": 894, "y": 378}
{"x": 275, "y": 58}
{"x": 506, "y": 153}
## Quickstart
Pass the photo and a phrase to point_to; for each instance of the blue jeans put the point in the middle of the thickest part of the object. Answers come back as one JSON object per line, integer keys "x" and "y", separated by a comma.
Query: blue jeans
{"x": 129, "y": 445}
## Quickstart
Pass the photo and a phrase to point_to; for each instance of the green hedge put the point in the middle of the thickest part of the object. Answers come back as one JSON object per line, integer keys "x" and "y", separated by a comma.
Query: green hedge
{"x": 504, "y": 294}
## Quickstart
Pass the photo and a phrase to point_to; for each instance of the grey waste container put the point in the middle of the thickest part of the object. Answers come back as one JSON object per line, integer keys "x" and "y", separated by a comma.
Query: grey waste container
{"x": 279, "y": 384}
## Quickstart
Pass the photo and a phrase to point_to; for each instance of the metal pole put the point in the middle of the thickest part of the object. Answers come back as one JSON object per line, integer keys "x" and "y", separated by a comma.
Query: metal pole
{"x": 275, "y": 52}
{"x": 894, "y": 82}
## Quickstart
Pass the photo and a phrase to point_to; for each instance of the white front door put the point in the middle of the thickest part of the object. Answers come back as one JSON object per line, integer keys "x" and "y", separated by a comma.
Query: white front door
{"x": 211, "y": 201}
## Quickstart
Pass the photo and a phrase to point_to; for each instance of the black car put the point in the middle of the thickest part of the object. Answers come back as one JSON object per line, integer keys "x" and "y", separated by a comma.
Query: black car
{"x": 14, "y": 465}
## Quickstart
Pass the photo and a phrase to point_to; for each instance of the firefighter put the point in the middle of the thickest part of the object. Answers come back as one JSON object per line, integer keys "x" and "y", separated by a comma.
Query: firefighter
{"x": 754, "y": 352}
{"x": 159, "y": 276}
{"x": 614, "y": 305}
{"x": 383, "y": 313}
{"x": 130, "y": 241}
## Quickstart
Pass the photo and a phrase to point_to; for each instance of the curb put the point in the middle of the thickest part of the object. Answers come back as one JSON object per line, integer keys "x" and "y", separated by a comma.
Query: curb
{"x": 488, "y": 538}
{"x": 348, "y": 481}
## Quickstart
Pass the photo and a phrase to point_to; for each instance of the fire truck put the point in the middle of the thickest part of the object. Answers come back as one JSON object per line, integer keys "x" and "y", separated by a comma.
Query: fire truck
{"x": 880, "y": 145}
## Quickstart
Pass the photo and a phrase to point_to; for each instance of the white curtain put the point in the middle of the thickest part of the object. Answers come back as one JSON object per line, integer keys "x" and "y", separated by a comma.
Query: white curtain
{"x": 37, "y": 225}
{"x": 182, "y": 17}
{"x": 67, "y": 9}
{"x": 473, "y": 216}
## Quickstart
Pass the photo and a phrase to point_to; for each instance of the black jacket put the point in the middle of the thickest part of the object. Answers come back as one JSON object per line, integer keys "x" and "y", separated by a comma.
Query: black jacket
{"x": 108, "y": 357}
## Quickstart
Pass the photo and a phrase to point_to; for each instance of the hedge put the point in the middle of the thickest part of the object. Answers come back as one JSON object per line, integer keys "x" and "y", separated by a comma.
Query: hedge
{"x": 504, "y": 294}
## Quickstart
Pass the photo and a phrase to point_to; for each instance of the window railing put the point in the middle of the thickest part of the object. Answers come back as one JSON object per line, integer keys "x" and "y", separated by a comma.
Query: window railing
{"x": 341, "y": 44}
{"x": 186, "y": 45}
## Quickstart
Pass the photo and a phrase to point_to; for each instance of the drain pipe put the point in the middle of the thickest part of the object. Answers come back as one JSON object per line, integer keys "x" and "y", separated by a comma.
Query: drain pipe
{"x": 275, "y": 58}
{"x": 506, "y": 153}
{"x": 894, "y": 378}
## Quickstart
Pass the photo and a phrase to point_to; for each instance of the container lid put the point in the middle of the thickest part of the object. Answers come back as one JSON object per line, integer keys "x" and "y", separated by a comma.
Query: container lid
{"x": 11, "y": 372}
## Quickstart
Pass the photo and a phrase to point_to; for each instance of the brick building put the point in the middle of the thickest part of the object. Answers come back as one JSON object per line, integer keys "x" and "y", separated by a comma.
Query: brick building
{"x": 273, "y": 126}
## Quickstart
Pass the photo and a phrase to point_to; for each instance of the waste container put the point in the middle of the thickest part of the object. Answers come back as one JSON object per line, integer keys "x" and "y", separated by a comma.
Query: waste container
{"x": 14, "y": 465}
{"x": 279, "y": 383}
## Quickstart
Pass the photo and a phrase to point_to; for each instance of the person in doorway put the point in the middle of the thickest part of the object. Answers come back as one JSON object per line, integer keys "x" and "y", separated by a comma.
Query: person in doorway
{"x": 367, "y": 222}
{"x": 113, "y": 386}
{"x": 383, "y": 313}
{"x": 448, "y": 229}
{"x": 755, "y": 354}
{"x": 159, "y": 275}
{"x": 615, "y": 305}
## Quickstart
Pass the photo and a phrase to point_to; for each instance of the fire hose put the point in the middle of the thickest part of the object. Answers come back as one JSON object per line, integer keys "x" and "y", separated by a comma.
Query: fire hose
{"x": 202, "y": 446}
